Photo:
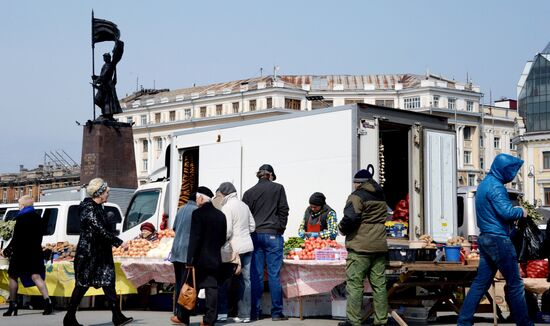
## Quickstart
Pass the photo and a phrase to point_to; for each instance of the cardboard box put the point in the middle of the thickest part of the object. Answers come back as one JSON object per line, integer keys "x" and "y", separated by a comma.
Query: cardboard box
{"x": 313, "y": 305}
{"x": 339, "y": 307}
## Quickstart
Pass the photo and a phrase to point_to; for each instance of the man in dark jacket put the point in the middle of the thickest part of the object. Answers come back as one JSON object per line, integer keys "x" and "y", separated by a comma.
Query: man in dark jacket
{"x": 363, "y": 225}
{"x": 267, "y": 202}
{"x": 495, "y": 215}
{"x": 208, "y": 235}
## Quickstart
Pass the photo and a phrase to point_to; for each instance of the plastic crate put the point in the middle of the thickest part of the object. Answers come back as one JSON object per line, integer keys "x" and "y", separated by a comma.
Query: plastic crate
{"x": 425, "y": 254}
{"x": 330, "y": 254}
{"x": 403, "y": 254}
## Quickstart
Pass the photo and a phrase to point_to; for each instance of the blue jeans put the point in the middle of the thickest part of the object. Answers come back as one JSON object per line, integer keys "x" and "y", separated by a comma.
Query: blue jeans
{"x": 268, "y": 248}
{"x": 496, "y": 253}
{"x": 244, "y": 292}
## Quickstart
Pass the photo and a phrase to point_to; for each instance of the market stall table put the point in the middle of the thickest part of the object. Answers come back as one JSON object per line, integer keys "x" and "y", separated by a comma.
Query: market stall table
{"x": 140, "y": 271}
{"x": 60, "y": 281}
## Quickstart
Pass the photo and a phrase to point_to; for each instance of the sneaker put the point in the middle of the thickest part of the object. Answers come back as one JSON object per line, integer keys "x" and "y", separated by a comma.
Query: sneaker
{"x": 241, "y": 320}
{"x": 175, "y": 321}
{"x": 279, "y": 318}
{"x": 222, "y": 318}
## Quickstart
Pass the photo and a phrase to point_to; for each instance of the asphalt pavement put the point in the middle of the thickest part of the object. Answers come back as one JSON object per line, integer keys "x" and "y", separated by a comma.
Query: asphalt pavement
{"x": 144, "y": 317}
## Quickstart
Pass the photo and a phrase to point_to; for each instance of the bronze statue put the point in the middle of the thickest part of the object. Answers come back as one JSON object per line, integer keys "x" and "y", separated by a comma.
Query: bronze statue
{"x": 106, "y": 97}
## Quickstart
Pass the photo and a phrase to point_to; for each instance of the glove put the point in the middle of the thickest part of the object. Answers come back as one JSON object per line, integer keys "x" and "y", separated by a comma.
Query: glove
{"x": 313, "y": 235}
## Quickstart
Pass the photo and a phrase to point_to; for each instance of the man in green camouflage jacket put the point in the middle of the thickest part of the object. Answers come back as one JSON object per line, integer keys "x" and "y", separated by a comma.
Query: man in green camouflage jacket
{"x": 363, "y": 226}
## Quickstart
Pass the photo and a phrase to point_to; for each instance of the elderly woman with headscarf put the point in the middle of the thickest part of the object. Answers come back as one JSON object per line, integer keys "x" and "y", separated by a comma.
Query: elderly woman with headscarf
{"x": 93, "y": 263}
{"x": 319, "y": 219}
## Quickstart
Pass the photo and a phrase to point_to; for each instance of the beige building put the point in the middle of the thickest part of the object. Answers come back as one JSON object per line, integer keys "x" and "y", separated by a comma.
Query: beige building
{"x": 157, "y": 113}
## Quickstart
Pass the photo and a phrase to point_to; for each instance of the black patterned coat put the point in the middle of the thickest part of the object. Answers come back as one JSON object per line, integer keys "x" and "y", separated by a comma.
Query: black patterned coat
{"x": 93, "y": 263}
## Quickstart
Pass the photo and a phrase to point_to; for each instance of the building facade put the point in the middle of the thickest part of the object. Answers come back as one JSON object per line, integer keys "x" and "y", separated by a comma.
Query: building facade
{"x": 534, "y": 139}
{"x": 482, "y": 131}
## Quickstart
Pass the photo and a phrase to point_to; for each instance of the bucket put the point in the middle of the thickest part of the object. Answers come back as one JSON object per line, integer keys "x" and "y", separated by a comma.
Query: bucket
{"x": 452, "y": 253}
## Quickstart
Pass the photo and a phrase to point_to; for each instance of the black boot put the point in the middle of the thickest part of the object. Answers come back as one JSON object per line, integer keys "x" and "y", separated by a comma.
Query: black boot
{"x": 12, "y": 309}
{"x": 48, "y": 307}
{"x": 70, "y": 317}
{"x": 118, "y": 318}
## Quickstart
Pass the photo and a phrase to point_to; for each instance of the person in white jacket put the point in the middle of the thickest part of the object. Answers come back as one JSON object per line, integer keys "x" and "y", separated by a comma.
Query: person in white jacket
{"x": 240, "y": 224}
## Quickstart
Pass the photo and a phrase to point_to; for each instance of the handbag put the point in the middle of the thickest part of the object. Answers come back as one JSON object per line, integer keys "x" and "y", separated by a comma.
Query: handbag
{"x": 227, "y": 253}
{"x": 188, "y": 293}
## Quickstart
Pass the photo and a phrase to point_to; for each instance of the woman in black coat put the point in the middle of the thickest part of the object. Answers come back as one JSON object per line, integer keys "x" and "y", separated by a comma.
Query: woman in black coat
{"x": 26, "y": 259}
{"x": 93, "y": 263}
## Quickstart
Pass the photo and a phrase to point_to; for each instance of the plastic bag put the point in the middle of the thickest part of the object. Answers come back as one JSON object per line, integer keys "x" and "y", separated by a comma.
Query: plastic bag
{"x": 529, "y": 241}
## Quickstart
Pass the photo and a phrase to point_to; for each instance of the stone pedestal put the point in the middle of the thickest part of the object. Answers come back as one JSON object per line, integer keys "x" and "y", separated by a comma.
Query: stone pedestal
{"x": 108, "y": 153}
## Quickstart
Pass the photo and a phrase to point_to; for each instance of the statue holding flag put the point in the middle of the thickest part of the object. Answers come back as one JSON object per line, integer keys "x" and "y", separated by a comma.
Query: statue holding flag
{"x": 106, "y": 97}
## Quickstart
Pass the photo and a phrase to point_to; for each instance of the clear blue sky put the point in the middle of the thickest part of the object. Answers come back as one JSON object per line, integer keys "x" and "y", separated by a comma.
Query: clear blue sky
{"x": 45, "y": 64}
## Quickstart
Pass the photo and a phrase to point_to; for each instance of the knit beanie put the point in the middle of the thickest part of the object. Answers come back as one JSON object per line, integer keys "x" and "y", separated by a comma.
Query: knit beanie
{"x": 147, "y": 226}
{"x": 317, "y": 199}
{"x": 362, "y": 176}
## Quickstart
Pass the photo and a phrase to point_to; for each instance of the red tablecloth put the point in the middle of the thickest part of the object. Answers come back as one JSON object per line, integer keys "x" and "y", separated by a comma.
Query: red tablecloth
{"x": 309, "y": 277}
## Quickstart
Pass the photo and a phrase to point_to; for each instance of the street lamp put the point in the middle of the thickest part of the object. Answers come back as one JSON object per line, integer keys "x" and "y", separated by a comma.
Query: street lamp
{"x": 531, "y": 175}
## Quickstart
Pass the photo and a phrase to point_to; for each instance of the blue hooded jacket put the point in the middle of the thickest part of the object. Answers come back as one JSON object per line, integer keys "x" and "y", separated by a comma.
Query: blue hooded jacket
{"x": 494, "y": 209}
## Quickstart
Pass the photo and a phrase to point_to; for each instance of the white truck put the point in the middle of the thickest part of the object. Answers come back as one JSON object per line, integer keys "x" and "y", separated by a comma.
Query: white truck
{"x": 320, "y": 151}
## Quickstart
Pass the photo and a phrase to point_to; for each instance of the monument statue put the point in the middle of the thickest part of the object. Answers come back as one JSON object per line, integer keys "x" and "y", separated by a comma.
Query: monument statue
{"x": 106, "y": 97}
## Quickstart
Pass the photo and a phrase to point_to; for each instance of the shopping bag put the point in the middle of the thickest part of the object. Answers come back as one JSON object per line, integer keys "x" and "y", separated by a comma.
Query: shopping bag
{"x": 529, "y": 241}
{"x": 188, "y": 293}
{"x": 227, "y": 253}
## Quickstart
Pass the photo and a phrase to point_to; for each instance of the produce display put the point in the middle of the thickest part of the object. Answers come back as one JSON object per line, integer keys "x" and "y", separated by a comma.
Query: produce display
{"x": 456, "y": 241}
{"x": 537, "y": 269}
{"x": 292, "y": 243}
{"x": 428, "y": 240}
{"x": 532, "y": 212}
{"x": 59, "y": 251}
{"x": 159, "y": 248}
{"x": 307, "y": 249}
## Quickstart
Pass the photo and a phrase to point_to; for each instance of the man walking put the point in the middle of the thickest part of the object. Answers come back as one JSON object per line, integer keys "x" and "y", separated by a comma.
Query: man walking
{"x": 208, "y": 234}
{"x": 178, "y": 255}
{"x": 267, "y": 202}
{"x": 363, "y": 225}
{"x": 495, "y": 215}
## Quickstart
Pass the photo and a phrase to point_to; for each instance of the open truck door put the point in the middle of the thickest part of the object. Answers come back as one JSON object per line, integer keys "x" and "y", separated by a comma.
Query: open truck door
{"x": 440, "y": 184}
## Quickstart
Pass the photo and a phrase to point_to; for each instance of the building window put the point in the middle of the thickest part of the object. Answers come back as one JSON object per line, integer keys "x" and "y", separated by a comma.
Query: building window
{"x": 236, "y": 107}
{"x": 219, "y": 109}
{"x": 481, "y": 140}
{"x": 546, "y": 160}
{"x": 30, "y": 192}
{"x": 469, "y": 106}
{"x": 451, "y": 104}
{"x": 203, "y": 111}
{"x": 145, "y": 145}
{"x": 467, "y": 133}
{"x": 411, "y": 102}
{"x": 496, "y": 142}
{"x": 143, "y": 120}
{"x": 292, "y": 104}
{"x": 269, "y": 102}
{"x": 512, "y": 146}
{"x": 353, "y": 101}
{"x": 129, "y": 120}
{"x": 5, "y": 196}
{"x": 157, "y": 117}
{"x": 385, "y": 103}
{"x": 435, "y": 102}
{"x": 481, "y": 164}
{"x": 321, "y": 104}
{"x": 144, "y": 165}
{"x": 159, "y": 143}
{"x": 172, "y": 115}
{"x": 252, "y": 105}
{"x": 467, "y": 157}
{"x": 546, "y": 196}
{"x": 471, "y": 179}
{"x": 187, "y": 114}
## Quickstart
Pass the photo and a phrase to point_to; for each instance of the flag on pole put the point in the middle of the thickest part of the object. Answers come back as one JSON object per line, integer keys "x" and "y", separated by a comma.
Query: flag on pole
{"x": 104, "y": 30}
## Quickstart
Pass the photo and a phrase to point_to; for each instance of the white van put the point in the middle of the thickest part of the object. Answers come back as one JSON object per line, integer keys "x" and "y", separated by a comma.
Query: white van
{"x": 148, "y": 204}
{"x": 61, "y": 219}
{"x": 466, "y": 205}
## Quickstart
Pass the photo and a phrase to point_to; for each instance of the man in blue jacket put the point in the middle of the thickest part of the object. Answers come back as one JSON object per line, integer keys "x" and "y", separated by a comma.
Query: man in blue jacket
{"x": 495, "y": 216}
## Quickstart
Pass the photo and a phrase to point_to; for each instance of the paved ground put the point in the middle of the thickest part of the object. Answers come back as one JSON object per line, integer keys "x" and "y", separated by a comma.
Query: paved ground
{"x": 103, "y": 318}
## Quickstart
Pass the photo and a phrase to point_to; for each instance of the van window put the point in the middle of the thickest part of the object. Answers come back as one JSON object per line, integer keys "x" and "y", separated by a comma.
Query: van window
{"x": 113, "y": 217}
{"x": 49, "y": 220}
{"x": 2, "y": 212}
{"x": 143, "y": 206}
{"x": 460, "y": 215}
{"x": 73, "y": 221}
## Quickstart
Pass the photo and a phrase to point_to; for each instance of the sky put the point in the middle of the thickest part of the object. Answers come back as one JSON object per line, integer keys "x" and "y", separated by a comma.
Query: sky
{"x": 46, "y": 55}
